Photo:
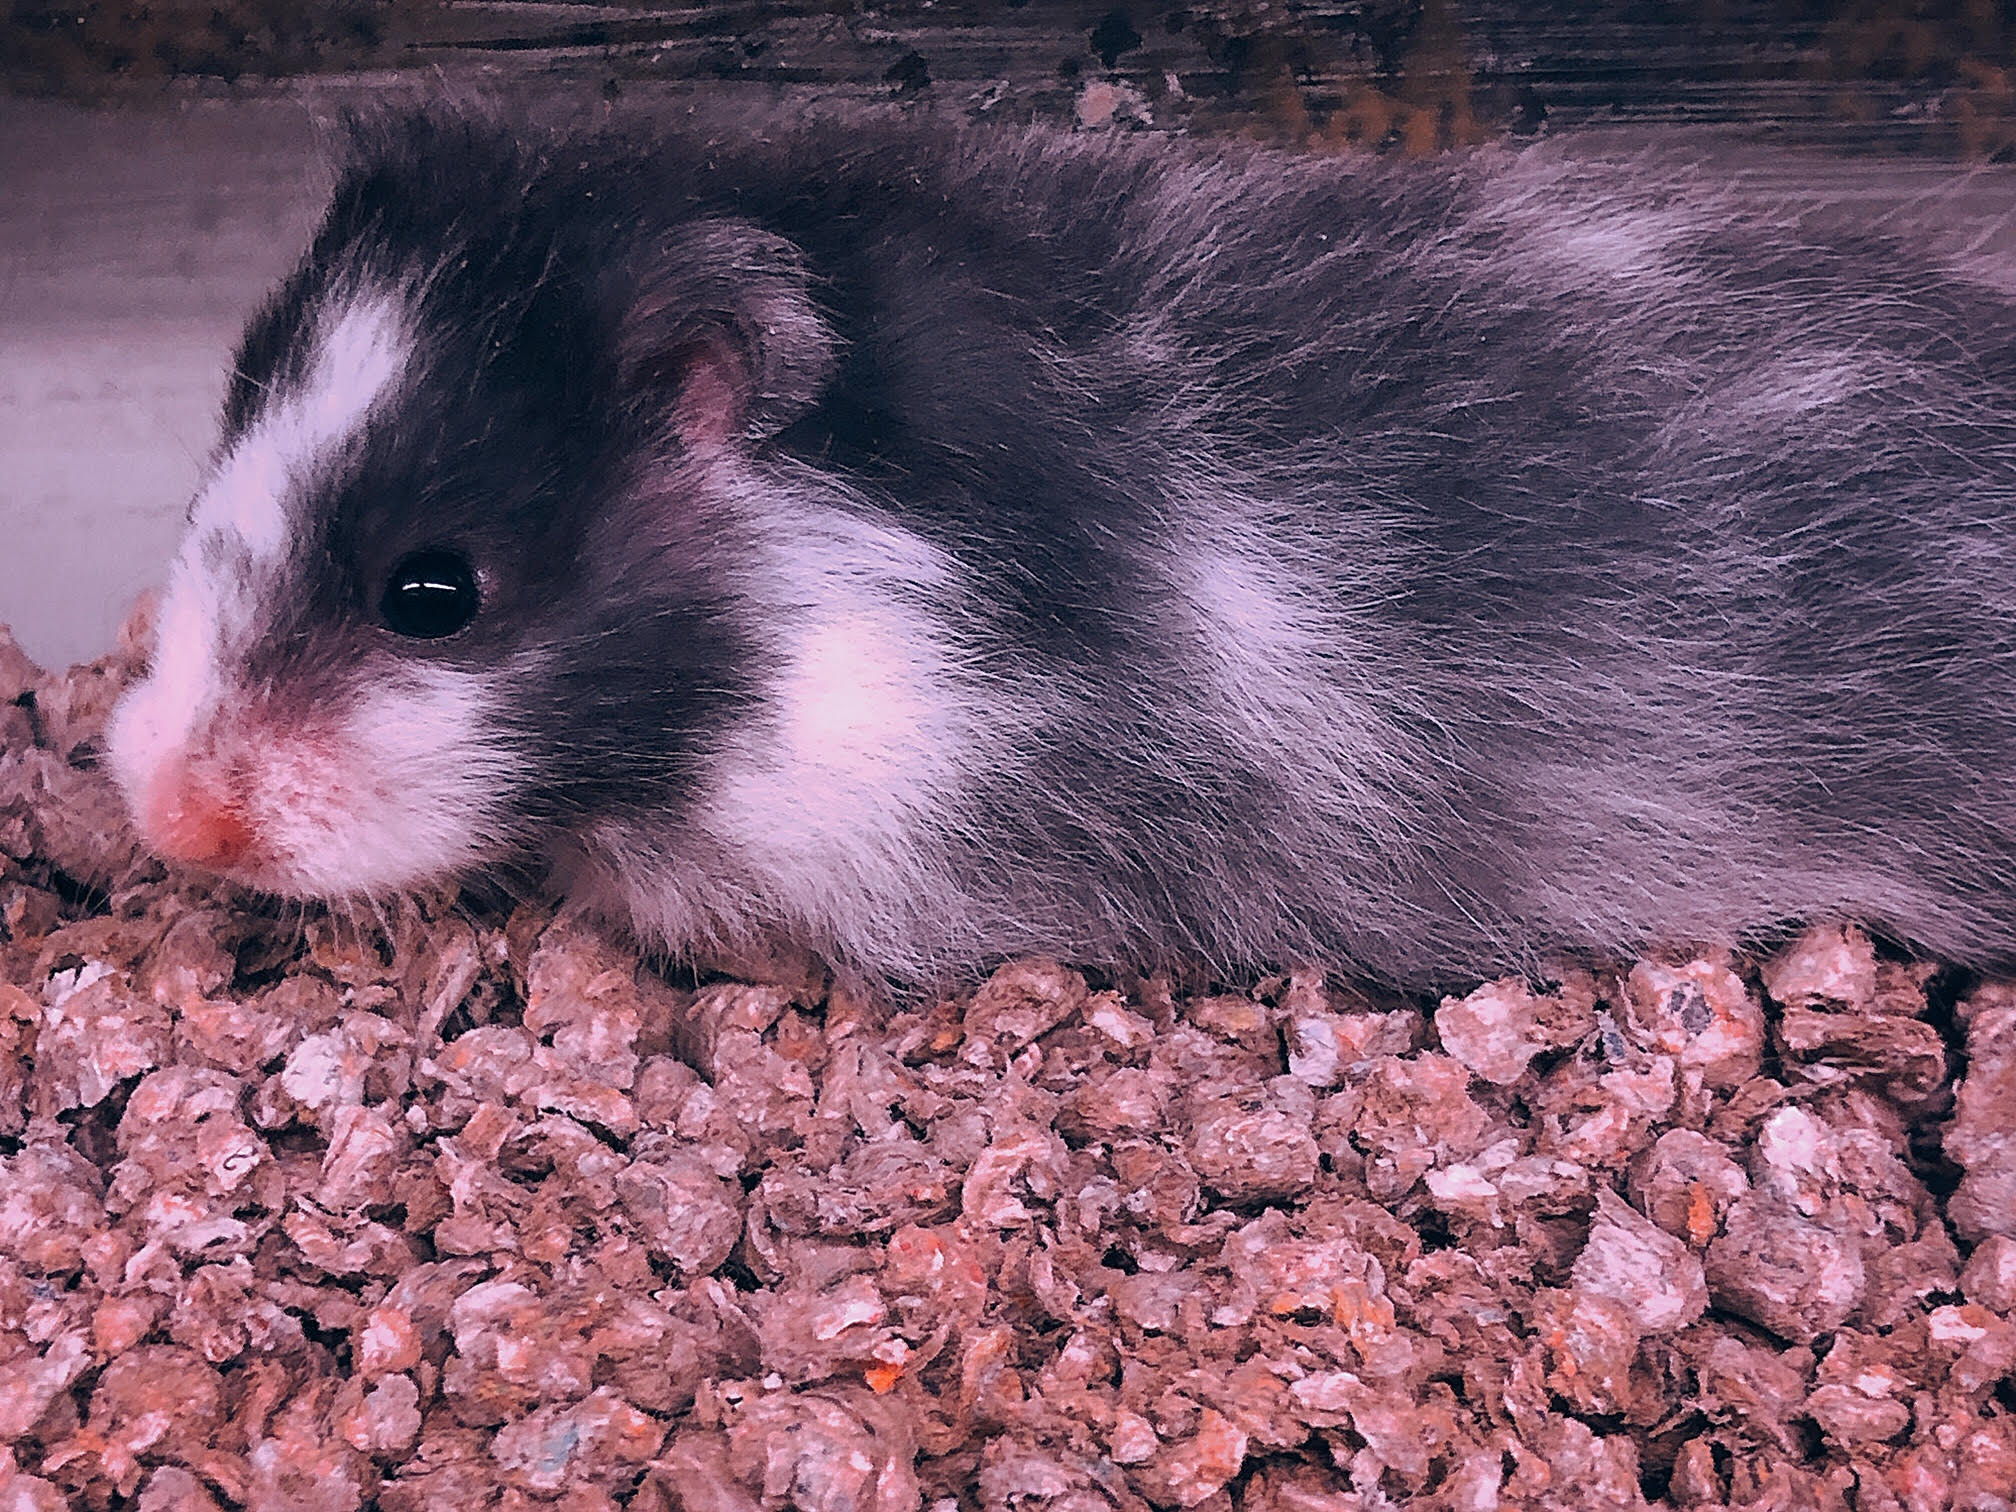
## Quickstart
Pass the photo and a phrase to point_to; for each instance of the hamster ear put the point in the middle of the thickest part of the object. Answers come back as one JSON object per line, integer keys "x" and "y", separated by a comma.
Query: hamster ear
{"x": 722, "y": 335}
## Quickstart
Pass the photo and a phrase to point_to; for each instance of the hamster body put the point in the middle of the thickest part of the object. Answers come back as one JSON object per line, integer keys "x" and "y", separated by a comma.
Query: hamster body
{"x": 930, "y": 545}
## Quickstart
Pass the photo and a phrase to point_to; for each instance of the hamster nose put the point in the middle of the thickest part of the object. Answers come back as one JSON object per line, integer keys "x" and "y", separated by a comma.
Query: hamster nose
{"x": 187, "y": 821}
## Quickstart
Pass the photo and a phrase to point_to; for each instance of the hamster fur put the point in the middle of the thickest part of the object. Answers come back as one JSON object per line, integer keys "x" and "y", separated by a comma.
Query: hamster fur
{"x": 929, "y": 545}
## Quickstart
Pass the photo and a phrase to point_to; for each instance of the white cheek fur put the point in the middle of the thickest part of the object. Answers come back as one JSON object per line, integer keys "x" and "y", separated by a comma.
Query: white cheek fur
{"x": 409, "y": 786}
{"x": 405, "y": 784}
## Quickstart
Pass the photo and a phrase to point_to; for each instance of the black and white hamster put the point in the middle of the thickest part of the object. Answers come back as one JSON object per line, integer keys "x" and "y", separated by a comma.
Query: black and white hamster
{"x": 927, "y": 545}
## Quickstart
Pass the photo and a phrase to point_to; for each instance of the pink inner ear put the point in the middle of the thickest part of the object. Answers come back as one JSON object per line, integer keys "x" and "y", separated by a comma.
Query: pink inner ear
{"x": 708, "y": 411}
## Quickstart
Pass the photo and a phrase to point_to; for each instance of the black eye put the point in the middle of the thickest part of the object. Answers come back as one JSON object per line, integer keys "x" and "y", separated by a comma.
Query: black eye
{"x": 429, "y": 595}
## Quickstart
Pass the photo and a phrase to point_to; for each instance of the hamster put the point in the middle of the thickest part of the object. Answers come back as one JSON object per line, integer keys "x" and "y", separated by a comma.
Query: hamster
{"x": 925, "y": 544}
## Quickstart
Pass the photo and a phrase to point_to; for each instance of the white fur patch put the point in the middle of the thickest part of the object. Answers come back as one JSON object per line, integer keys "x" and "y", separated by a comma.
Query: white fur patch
{"x": 1283, "y": 663}
{"x": 407, "y": 789}
{"x": 363, "y": 346}
{"x": 826, "y": 816}
{"x": 153, "y": 721}
{"x": 1624, "y": 244}
{"x": 868, "y": 724}
{"x": 853, "y": 703}
{"x": 1796, "y": 382}
{"x": 1573, "y": 232}
{"x": 239, "y": 525}
{"x": 1779, "y": 399}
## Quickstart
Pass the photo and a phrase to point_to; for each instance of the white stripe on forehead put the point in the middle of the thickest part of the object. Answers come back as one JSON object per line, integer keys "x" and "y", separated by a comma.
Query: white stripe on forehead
{"x": 362, "y": 344}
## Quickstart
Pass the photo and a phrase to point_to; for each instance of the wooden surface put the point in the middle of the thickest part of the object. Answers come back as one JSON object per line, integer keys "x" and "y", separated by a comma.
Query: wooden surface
{"x": 1934, "y": 76}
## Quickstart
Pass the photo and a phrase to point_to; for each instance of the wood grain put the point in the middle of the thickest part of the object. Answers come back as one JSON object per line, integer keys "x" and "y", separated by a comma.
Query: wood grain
{"x": 1932, "y": 76}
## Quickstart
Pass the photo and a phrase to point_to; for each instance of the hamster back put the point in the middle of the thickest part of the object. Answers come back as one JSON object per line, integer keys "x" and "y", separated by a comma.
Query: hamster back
{"x": 928, "y": 545}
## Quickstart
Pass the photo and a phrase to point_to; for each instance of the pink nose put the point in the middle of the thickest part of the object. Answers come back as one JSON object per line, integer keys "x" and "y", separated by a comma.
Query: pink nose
{"x": 186, "y": 821}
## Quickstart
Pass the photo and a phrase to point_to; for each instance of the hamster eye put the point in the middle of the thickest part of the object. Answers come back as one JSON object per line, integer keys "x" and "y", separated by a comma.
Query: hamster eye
{"x": 430, "y": 594}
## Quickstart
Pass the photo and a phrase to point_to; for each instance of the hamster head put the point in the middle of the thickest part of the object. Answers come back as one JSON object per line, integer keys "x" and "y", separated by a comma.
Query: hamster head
{"x": 459, "y": 578}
